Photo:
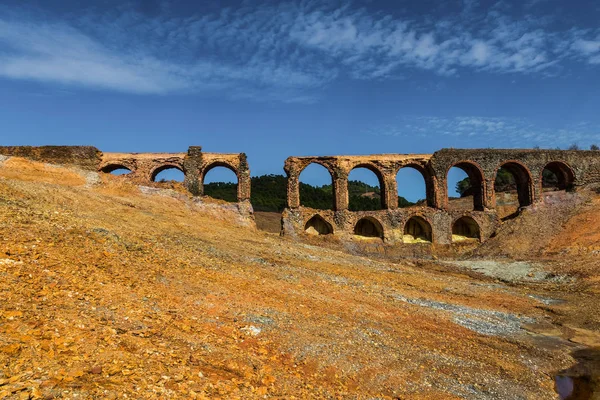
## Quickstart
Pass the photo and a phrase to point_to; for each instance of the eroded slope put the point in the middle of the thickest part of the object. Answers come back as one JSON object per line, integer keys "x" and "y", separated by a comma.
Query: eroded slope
{"x": 110, "y": 289}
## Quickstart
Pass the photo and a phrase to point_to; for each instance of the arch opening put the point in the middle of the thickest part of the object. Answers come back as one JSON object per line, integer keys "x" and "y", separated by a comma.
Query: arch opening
{"x": 368, "y": 227}
{"x": 465, "y": 229}
{"x": 318, "y": 226}
{"x": 417, "y": 230}
{"x": 412, "y": 187}
{"x": 316, "y": 187}
{"x": 116, "y": 169}
{"x": 465, "y": 187}
{"x": 220, "y": 182}
{"x": 168, "y": 173}
{"x": 512, "y": 187}
{"x": 557, "y": 176}
{"x": 365, "y": 189}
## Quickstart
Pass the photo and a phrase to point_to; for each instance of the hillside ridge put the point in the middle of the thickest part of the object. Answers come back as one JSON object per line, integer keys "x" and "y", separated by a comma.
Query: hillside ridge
{"x": 113, "y": 289}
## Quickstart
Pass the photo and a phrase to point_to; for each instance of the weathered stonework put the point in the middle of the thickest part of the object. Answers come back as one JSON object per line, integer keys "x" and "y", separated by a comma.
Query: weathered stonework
{"x": 435, "y": 221}
{"x": 194, "y": 164}
{"x": 86, "y": 157}
{"x": 144, "y": 167}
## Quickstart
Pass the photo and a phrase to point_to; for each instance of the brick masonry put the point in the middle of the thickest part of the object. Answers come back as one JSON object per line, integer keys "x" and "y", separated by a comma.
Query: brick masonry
{"x": 572, "y": 168}
{"x": 144, "y": 167}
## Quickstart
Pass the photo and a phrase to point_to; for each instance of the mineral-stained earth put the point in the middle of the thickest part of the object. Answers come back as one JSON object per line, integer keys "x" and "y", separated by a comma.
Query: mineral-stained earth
{"x": 111, "y": 290}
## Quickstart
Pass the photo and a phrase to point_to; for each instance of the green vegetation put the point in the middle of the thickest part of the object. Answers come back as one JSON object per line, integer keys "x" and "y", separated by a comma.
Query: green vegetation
{"x": 221, "y": 190}
{"x": 462, "y": 187}
{"x": 269, "y": 193}
{"x": 549, "y": 179}
{"x": 320, "y": 197}
{"x": 505, "y": 181}
{"x": 363, "y": 197}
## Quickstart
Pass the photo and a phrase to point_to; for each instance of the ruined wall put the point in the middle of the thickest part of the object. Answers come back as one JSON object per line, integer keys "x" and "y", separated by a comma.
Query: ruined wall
{"x": 392, "y": 222}
{"x": 583, "y": 165}
{"x": 144, "y": 167}
{"x": 385, "y": 168}
{"x": 572, "y": 168}
{"x": 86, "y": 157}
{"x": 194, "y": 164}
{"x": 237, "y": 163}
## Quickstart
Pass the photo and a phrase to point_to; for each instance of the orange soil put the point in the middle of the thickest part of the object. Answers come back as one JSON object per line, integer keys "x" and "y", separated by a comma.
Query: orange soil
{"x": 107, "y": 292}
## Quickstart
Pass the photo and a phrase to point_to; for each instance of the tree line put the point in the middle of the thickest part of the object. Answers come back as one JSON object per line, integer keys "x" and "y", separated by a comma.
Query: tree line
{"x": 505, "y": 182}
{"x": 269, "y": 193}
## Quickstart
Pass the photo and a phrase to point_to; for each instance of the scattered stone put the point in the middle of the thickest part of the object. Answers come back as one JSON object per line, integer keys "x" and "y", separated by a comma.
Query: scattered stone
{"x": 96, "y": 370}
{"x": 251, "y": 330}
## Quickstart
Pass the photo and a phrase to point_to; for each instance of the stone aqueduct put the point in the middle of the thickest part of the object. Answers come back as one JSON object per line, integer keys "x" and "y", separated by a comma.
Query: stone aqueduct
{"x": 144, "y": 167}
{"x": 434, "y": 221}
{"x": 194, "y": 164}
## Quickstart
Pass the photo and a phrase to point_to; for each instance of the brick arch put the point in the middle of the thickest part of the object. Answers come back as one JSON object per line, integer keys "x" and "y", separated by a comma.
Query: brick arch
{"x": 523, "y": 179}
{"x": 215, "y": 164}
{"x": 428, "y": 177}
{"x": 113, "y": 166}
{"x": 564, "y": 173}
{"x": 383, "y": 187}
{"x": 476, "y": 179}
{"x": 163, "y": 167}
{"x": 424, "y": 222}
{"x": 369, "y": 227}
{"x": 328, "y": 167}
{"x": 470, "y": 222}
{"x": 320, "y": 224}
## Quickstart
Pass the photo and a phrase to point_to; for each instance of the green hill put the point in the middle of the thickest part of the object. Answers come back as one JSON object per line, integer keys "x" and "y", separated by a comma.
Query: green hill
{"x": 269, "y": 193}
{"x": 505, "y": 182}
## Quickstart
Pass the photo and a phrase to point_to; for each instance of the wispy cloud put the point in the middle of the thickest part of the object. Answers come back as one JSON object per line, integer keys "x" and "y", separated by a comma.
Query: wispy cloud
{"x": 63, "y": 54}
{"x": 585, "y": 48}
{"x": 283, "y": 52}
{"x": 477, "y": 131}
{"x": 136, "y": 54}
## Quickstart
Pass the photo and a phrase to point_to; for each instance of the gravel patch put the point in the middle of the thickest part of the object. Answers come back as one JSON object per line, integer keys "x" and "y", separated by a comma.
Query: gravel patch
{"x": 547, "y": 300}
{"x": 92, "y": 178}
{"x": 510, "y": 271}
{"x": 485, "y": 322}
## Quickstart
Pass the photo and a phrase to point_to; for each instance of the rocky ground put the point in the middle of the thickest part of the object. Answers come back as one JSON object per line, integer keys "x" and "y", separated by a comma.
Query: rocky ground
{"x": 109, "y": 290}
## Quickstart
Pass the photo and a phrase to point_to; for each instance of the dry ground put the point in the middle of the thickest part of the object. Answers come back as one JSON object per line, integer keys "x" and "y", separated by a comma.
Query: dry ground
{"x": 110, "y": 290}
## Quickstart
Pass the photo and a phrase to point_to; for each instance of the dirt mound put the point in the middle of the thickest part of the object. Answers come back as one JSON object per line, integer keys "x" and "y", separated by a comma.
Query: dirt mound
{"x": 537, "y": 227}
{"x": 581, "y": 233}
{"x": 268, "y": 221}
{"x": 563, "y": 233}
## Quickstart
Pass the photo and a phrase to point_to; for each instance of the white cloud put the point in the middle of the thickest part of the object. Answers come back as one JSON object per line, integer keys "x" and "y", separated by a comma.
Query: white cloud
{"x": 587, "y": 47}
{"x": 62, "y": 54}
{"x": 479, "y": 54}
{"x": 137, "y": 55}
{"x": 284, "y": 51}
{"x": 477, "y": 131}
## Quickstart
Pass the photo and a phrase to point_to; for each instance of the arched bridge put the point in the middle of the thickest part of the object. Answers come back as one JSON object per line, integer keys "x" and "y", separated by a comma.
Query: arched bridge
{"x": 434, "y": 221}
{"x": 144, "y": 167}
{"x": 195, "y": 164}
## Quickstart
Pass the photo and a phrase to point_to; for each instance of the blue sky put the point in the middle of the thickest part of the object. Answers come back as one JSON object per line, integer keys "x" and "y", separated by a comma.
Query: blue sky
{"x": 275, "y": 79}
